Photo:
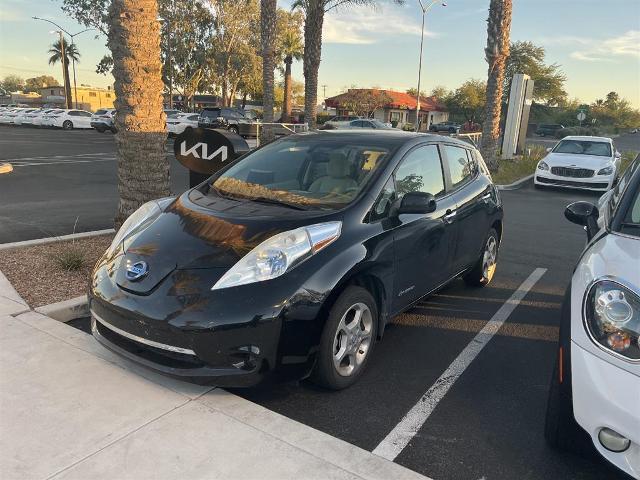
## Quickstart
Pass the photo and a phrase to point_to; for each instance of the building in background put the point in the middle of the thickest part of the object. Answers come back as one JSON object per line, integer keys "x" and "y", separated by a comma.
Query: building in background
{"x": 89, "y": 98}
{"x": 400, "y": 110}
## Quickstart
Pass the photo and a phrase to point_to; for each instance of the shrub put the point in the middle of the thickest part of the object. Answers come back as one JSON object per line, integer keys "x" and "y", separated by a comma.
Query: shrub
{"x": 565, "y": 132}
{"x": 70, "y": 258}
{"x": 408, "y": 127}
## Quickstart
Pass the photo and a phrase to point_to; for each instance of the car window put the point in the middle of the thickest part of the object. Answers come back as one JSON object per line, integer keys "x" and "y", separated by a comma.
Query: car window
{"x": 631, "y": 223}
{"x": 382, "y": 207}
{"x": 193, "y": 117}
{"x": 215, "y": 113}
{"x": 420, "y": 171}
{"x": 74, "y": 113}
{"x": 460, "y": 168}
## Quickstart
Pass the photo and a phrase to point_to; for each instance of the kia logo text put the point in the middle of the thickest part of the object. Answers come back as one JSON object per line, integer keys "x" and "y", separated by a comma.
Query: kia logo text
{"x": 204, "y": 151}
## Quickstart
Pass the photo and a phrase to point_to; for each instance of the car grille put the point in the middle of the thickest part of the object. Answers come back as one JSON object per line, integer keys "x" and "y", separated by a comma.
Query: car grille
{"x": 570, "y": 183}
{"x": 572, "y": 172}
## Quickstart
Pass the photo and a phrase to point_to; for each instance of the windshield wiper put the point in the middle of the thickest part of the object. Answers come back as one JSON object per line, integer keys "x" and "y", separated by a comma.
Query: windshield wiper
{"x": 275, "y": 201}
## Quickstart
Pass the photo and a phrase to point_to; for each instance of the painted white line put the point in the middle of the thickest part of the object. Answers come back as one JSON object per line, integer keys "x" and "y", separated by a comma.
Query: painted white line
{"x": 409, "y": 426}
{"x": 51, "y": 157}
{"x": 35, "y": 164}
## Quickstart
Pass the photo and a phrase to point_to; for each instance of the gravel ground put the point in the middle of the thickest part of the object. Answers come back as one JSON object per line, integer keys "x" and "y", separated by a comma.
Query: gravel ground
{"x": 40, "y": 280}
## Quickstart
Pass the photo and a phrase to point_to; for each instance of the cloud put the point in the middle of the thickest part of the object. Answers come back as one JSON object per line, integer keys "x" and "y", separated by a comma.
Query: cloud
{"x": 365, "y": 25}
{"x": 625, "y": 45}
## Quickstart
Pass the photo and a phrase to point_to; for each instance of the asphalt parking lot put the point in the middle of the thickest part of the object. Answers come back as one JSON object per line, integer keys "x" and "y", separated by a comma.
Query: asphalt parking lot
{"x": 461, "y": 404}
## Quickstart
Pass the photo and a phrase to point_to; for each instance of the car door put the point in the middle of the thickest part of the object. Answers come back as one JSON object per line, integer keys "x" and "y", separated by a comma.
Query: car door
{"x": 473, "y": 195}
{"x": 85, "y": 119}
{"x": 421, "y": 241}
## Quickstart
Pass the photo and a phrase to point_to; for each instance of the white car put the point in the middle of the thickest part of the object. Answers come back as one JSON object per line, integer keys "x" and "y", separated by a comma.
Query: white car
{"x": 22, "y": 115}
{"x": 177, "y": 124}
{"x": 38, "y": 117}
{"x": 594, "y": 397}
{"x": 590, "y": 163}
{"x": 7, "y": 116}
{"x": 102, "y": 120}
{"x": 68, "y": 119}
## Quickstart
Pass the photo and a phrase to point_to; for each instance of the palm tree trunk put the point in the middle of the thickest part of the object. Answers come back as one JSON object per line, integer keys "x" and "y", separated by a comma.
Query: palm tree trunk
{"x": 134, "y": 41}
{"x": 268, "y": 12}
{"x": 497, "y": 52}
{"x": 286, "y": 108}
{"x": 312, "y": 53}
{"x": 67, "y": 83}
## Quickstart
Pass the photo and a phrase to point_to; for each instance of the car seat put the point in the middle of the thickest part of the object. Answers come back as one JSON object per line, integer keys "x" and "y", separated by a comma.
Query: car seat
{"x": 337, "y": 179}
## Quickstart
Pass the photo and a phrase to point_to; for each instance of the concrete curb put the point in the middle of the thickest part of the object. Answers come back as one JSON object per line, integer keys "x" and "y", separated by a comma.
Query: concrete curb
{"x": 66, "y": 310}
{"x": 6, "y": 168}
{"x": 61, "y": 238}
{"x": 512, "y": 186}
{"x": 11, "y": 303}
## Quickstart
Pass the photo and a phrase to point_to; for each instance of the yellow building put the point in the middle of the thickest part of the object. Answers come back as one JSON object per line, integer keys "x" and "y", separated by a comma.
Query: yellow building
{"x": 88, "y": 98}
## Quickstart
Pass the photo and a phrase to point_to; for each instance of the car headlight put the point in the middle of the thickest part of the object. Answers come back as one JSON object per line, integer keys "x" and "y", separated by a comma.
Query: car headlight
{"x": 138, "y": 221}
{"x": 279, "y": 254}
{"x": 606, "y": 170}
{"x": 543, "y": 166}
{"x": 612, "y": 317}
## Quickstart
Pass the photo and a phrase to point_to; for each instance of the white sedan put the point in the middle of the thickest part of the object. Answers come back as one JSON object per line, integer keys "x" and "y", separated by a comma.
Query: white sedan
{"x": 21, "y": 116}
{"x": 594, "y": 399}
{"x": 68, "y": 119}
{"x": 176, "y": 124}
{"x": 590, "y": 163}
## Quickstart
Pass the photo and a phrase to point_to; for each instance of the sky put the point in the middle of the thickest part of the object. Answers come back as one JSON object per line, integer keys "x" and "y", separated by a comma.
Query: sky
{"x": 596, "y": 42}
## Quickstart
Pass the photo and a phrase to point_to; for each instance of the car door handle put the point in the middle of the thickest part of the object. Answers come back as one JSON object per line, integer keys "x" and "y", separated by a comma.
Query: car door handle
{"x": 486, "y": 197}
{"x": 449, "y": 216}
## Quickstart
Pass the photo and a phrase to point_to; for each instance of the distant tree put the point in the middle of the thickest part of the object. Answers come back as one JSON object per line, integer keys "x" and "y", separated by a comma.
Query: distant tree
{"x": 441, "y": 93}
{"x": 36, "y": 83}
{"x": 468, "y": 100}
{"x": 70, "y": 53}
{"x": 364, "y": 101}
{"x": 414, "y": 92}
{"x": 614, "y": 111}
{"x": 296, "y": 94}
{"x": 548, "y": 86}
{"x": 290, "y": 47}
{"x": 12, "y": 83}
{"x": 268, "y": 24}
{"x": 496, "y": 54}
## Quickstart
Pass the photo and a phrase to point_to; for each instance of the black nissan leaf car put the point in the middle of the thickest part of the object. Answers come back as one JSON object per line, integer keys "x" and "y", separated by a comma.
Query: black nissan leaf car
{"x": 291, "y": 260}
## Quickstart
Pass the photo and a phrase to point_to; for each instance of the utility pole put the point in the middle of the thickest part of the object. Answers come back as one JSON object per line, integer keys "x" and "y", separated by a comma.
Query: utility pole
{"x": 324, "y": 95}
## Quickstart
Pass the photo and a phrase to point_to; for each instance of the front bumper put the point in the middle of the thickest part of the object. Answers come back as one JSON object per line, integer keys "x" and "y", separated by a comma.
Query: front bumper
{"x": 599, "y": 183}
{"x": 605, "y": 396}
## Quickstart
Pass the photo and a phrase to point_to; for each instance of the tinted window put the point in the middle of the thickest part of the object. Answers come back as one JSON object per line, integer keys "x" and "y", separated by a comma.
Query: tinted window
{"x": 74, "y": 113}
{"x": 460, "y": 168}
{"x": 420, "y": 171}
{"x": 193, "y": 117}
{"x": 101, "y": 112}
{"x": 215, "y": 113}
{"x": 383, "y": 204}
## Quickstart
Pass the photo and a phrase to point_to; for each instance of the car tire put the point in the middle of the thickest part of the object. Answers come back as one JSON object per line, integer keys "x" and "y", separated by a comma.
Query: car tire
{"x": 233, "y": 129}
{"x": 345, "y": 348}
{"x": 114, "y": 130}
{"x": 483, "y": 271}
{"x": 100, "y": 130}
{"x": 67, "y": 125}
{"x": 188, "y": 130}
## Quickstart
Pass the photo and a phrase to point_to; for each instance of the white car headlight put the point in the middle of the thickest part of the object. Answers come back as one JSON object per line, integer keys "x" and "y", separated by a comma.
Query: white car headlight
{"x": 606, "y": 170}
{"x": 543, "y": 166}
{"x": 279, "y": 254}
{"x": 612, "y": 317}
{"x": 138, "y": 221}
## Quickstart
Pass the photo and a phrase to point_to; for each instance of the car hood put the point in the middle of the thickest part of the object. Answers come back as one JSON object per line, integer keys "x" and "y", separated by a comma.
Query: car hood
{"x": 197, "y": 231}
{"x": 592, "y": 162}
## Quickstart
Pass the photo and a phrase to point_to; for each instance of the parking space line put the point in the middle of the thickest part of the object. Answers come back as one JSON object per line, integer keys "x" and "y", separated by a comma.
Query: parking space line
{"x": 526, "y": 331}
{"x": 391, "y": 446}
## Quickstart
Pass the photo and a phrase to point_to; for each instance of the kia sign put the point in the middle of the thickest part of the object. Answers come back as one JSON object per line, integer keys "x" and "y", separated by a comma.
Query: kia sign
{"x": 205, "y": 151}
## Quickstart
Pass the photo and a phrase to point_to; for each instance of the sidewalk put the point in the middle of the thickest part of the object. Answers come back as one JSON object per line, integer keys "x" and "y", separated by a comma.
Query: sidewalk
{"x": 71, "y": 409}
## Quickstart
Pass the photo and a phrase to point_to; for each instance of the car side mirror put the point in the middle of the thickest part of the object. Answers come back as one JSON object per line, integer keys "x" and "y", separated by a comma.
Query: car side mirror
{"x": 585, "y": 214}
{"x": 618, "y": 154}
{"x": 549, "y": 149}
{"x": 417, "y": 202}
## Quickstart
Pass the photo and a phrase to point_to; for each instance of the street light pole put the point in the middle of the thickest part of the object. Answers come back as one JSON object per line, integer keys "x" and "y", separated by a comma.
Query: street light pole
{"x": 73, "y": 60}
{"x": 424, "y": 13}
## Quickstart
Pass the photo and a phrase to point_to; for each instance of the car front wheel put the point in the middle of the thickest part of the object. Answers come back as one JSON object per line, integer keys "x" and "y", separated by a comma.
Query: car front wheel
{"x": 67, "y": 125}
{"x": 347, "y": 339}
{"x": 482, "y": 272}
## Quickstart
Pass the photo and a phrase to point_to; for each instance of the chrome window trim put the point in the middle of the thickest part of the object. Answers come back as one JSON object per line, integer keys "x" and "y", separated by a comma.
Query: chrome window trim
{"x": 138, "y": 339}
{"x": 585, "y": 297}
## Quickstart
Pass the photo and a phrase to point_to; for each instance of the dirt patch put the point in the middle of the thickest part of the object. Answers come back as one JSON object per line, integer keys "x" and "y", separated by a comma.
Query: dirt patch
{"x": 38, "y": 275}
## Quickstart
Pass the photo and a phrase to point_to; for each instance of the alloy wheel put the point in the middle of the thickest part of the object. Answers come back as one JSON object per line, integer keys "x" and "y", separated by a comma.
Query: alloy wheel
{"x": 489, "y": 260}
{"x": 352, "y": 340}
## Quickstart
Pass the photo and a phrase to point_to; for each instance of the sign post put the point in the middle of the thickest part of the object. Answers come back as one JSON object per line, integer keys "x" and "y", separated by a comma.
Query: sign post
{"x": 581, "y": 116}
{"x": 205, "y": 151}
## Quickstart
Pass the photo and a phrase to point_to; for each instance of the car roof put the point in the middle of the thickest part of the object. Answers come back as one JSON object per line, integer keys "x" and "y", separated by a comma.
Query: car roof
{"x": 587, "y": 137}
{"x": 393, "y": 135}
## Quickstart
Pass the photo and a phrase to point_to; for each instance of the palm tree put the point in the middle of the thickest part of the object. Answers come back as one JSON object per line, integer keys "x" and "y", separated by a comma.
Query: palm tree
{"x": 70, "y": 53}
{"x": 268, "y": 19}
{"x": 134, "y": 41}
{"x": 291, "y": 48}
{"x": 497, "y": 52}
{"x": 314, "y": 18}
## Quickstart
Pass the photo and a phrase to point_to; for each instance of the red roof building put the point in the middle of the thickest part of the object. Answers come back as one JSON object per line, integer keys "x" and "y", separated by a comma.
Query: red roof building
{"x": 399, "y": 111}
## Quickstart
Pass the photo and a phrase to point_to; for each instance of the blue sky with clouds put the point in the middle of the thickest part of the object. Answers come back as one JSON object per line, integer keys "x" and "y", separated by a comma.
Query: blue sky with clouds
{"x": 597, "y": 42}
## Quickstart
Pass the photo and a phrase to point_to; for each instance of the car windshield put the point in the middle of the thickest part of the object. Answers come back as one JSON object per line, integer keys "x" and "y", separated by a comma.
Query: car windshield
{"x": 315, "y": 172}
{"x": 211, "y": 113}
{"x": 584, "y": 147}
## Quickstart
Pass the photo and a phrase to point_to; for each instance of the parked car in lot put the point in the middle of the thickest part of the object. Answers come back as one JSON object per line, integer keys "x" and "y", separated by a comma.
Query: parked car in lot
{"x": 232, "y": 119}
{"x": 590, "y": 163}
{"x": 20, "y": 117}
{"x": 291, "y": 260}
{"x": 68, "y": 119}
{"x": 102, "y": 120}
{"x": 38, "y": 117}
{"x": 181, "y": 122}
{"x": 7, "y": 116}
{"x": 361, "y": 123}
{"x": 548, "y": 129}
{"x": 451, "y": 127}
{"x": 595, "y": 388}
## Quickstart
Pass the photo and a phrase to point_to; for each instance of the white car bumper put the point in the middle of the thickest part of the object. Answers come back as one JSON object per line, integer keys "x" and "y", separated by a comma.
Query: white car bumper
{"x": 605, "y": 396}
{"x": 599, "y": 183}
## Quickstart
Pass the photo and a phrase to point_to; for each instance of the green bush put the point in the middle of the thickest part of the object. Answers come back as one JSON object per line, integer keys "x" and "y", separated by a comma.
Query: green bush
{"x": 70, "y": 258}
{"x": 408, "y": 127}
{"x": 565, "y": 132}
